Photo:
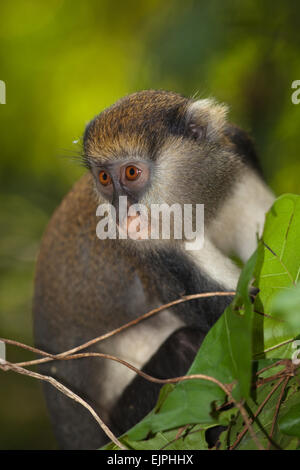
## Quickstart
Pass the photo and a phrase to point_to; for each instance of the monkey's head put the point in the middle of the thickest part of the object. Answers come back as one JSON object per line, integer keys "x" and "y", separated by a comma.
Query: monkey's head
{"x": 159, "y": 147}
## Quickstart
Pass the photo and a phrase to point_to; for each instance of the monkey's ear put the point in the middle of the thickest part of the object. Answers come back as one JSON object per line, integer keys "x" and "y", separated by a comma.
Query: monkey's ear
{"x": 206, "y": 120}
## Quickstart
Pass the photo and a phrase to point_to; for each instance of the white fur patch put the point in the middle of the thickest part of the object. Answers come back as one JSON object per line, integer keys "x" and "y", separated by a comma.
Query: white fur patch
{"x": 215, "y": 265}
{"x": 135, "y": 345}
{"x": 234, "y": 229}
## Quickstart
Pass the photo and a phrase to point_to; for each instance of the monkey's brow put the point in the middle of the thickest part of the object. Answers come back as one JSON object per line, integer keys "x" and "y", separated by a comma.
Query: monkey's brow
{"x": 100, "y": 161}
{"x": 89, "y": 160}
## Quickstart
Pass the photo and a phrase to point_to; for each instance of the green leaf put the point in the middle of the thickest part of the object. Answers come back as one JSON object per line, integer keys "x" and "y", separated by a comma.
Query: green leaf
{"x": 266, "y": 419}
{"x": 177, "y": 439}
{"x": 286, "y": 308}
{"x": 290, "y": 422}
{"x": 238, "y": 321}
{"x": 277, "y": 270}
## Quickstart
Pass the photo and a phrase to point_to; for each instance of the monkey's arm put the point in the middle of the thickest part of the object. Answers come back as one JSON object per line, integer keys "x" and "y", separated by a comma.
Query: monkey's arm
{"x": 172, "y": 359}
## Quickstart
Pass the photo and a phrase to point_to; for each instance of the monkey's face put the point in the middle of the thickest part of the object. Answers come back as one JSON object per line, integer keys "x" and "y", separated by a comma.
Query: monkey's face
{"x": 157, "y": 147}
{"x": 123, "y": 179}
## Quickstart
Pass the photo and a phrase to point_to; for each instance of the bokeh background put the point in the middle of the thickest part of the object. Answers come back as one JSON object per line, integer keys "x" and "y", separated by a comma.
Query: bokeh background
{"x": 64, "y": 61}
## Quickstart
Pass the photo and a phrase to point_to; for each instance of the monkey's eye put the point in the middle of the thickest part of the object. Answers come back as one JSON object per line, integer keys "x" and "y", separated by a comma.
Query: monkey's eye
{"x": 104, "y": 178}
{"x": 132, "y": 172}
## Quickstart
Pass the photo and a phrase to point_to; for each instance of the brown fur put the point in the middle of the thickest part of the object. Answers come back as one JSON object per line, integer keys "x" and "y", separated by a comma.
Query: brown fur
{"x": 135, "y": 124}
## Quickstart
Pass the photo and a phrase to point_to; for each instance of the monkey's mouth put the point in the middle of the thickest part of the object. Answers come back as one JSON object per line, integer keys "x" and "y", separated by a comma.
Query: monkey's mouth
{"x": 135, "y": 227}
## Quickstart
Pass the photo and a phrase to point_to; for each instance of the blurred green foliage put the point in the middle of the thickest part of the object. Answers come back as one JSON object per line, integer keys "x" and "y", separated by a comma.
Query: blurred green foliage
{"x": 63, "y": 62}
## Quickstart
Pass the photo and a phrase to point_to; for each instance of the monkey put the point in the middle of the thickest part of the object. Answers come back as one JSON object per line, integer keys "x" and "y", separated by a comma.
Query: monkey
{"x": 151, "y": 147}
